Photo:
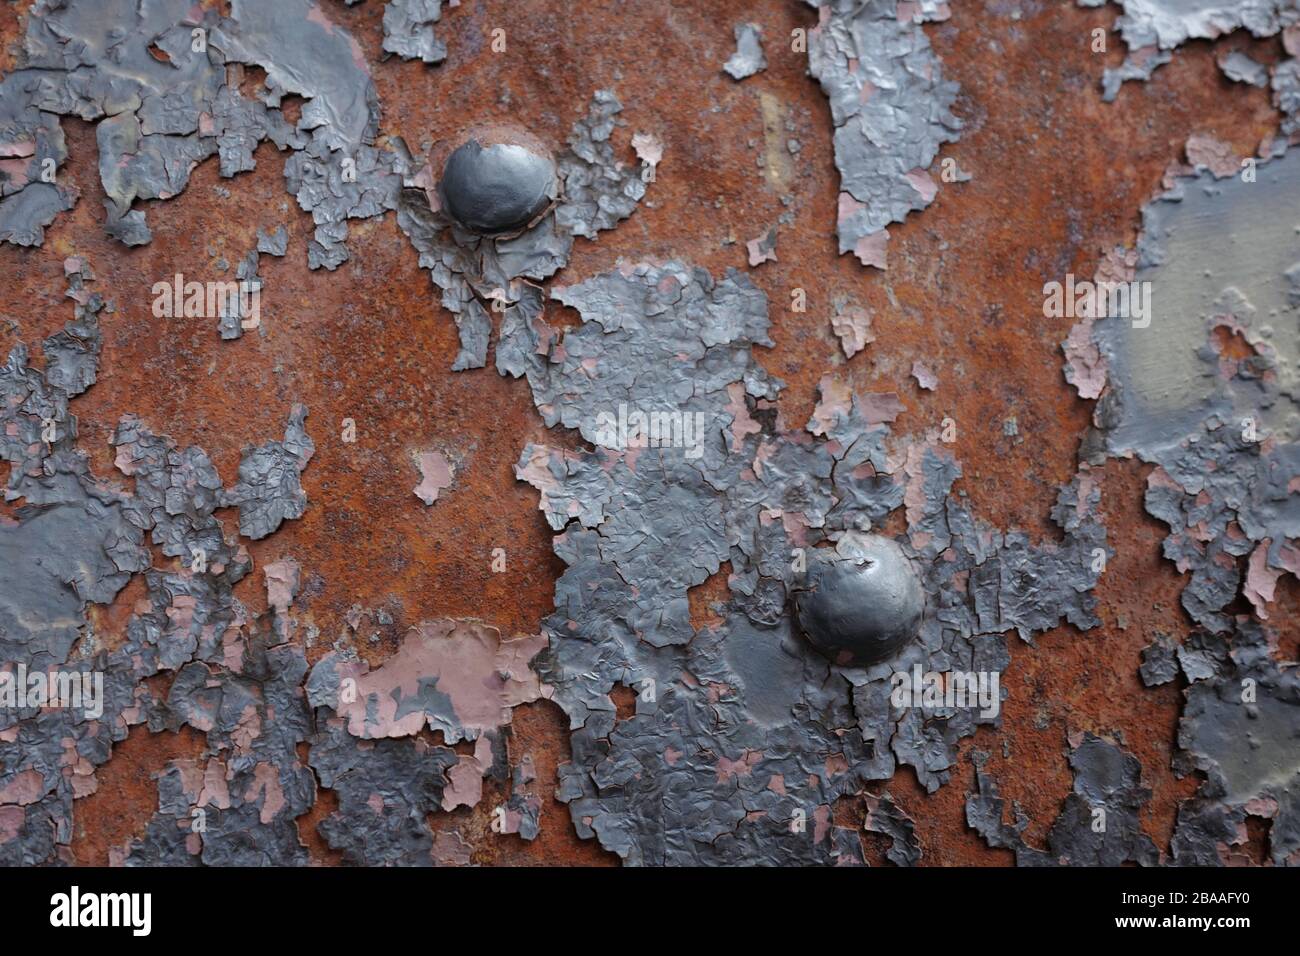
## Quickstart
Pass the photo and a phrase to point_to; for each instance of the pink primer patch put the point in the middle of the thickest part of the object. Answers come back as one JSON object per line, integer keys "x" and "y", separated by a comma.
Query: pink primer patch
{"x": 1117, "y": 265}
{"x": 821, "y": 823}
{"x": 210, "y": 789}
{"x": 729, "y": 769}
{"x": 834, "y": 404}
{"x": 465, "y": 780}
{"x": 20, "y": 148}
{"x": 281, "y": 583}
{"x": 1291, "y": 39}
{"x": 435, "y": 476}
{"x": 649, "y": 148}
{"x": 267, "y": 781}
{"x": 923, "y": 184}
{"x": 1085, "y": 365}
{"x": 762, "y": 249}
{"x": 449, "y": 848}
{"x": 871, "y": 250}
{"x": 878, "y": 408}
{"x": 483, "y": 676}
{"x": 1213, "y": 154}
{"x": 852, "y": 326}
{"x": 14, "y": 172}
{"x": 11, "y": 822}
{"x": 23, "y": 788}
{"x": 1265, "y": 807}
{"x": 1261, "y": 580}
{"x": 742, "y": 423}
{"x": 847, "y": 207}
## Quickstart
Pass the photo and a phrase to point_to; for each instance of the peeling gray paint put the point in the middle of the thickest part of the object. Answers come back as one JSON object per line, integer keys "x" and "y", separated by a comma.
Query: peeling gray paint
{"x": 1222, "y": 432}
{"x": 1100, "y": 822}
{"x": 78, "y": 539}
{"x": 269, "y": 490}
{"x": 885, "y": 816}
{"x": 892, "y": 110}
{"x": 157, "y": 118}
{"x": 408, "y": 30}
{"x": 742, "y": 733}
{"x": 1153, "y": 29}
{"x": 748, "y": 58}
{"x": 274, "y": 243}
{"x": 1239, "y": 728}
{"x": 1240, "y": 68}
{"x": 743, "y": 739}
{"x": 482, "y": 276}
{"x": 32, "y": 149}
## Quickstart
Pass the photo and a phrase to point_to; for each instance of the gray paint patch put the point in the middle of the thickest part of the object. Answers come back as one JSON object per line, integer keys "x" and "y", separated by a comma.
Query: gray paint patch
{"x": 408, "y": 30}
{"x": 1099, "y": 823}
{"x": 1240, "y": 68}
{"x": 892, "y": 110}
{"x": 748, "y": 58}
{"x": 743, "y": 736}
{"x": 1153, "y": 29}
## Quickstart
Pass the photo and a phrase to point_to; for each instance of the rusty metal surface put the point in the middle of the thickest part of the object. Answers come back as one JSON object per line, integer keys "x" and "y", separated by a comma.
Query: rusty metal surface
{"x": 1057, "y": 176}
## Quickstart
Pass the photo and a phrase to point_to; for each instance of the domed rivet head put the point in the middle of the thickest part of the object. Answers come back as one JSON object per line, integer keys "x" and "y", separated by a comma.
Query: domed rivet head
{"x": 497, "y": 181}
{"x": 861, "y": 603}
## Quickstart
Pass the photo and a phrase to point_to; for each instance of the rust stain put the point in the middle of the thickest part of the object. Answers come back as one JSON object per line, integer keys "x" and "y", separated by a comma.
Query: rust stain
{"x": 1057, "y": 176}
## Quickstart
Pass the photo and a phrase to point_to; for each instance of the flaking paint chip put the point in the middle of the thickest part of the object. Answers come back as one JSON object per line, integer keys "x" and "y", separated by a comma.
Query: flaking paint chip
{"x": 748, "y": 58}
{"x": 435, "y": 476}
{"x": 763, "y": 248}
{"x": 852, "y": 326}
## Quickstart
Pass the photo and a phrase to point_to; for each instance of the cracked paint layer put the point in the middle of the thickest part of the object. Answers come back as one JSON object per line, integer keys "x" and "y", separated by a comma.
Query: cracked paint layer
{"x": 1222, "y": 431}
{"x": 239, "y": 688}
{"x": 482, "y": 276}
{"x": 1203, "y": 388}
{"x": 159, "y": 116}
{"x": 891, "y": 108}
{"x": 741, "y": 740}
{"x": 1153, "y": 29}
{"x": 408, "y": 30}
{"x": 742, "y": 733}
{"x": 748, "y": 58}
{"x": 1099, "y": 823}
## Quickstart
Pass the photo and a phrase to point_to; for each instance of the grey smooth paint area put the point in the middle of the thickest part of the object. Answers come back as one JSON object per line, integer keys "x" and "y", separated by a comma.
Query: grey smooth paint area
{"x": 498, "y": 188}
{"x": 1211, "y": 247}
{"x": 862, "y": 602}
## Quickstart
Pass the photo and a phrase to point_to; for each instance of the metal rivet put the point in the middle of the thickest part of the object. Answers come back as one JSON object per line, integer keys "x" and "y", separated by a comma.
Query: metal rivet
{"x": 497, "y": 183}
{"x": 861, "y": 603}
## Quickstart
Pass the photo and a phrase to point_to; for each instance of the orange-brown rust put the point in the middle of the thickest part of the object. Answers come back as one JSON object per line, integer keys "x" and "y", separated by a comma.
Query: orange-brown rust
{"x": 127, "y": 794}
{"x": 1057, "y": 177}
{"x": 705, "y": 599}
